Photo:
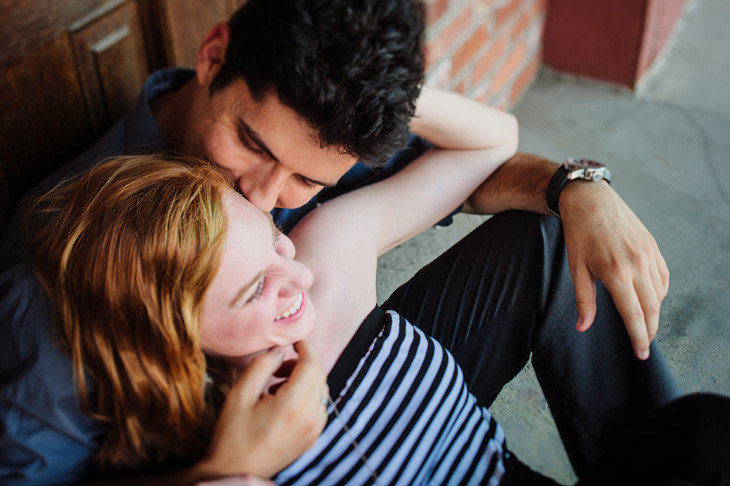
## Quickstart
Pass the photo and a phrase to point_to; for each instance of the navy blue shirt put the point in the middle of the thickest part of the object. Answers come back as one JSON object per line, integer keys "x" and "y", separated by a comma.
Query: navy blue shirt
{"x": 44, "y": 436}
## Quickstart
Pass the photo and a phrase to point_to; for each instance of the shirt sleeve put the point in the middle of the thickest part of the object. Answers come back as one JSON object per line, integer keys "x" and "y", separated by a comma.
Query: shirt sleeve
{"x": 45, "y": 438}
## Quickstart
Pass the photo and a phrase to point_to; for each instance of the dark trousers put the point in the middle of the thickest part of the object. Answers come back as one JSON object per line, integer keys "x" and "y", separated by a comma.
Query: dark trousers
{"x": 684, "y": 443}
{"x": 504, "y": 294}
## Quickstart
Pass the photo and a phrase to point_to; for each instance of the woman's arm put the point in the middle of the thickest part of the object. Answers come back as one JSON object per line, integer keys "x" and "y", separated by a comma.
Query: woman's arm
{"x": 478, "y": 138}
{"x": 451, "y": 121}
{"x": 341, "y": 240}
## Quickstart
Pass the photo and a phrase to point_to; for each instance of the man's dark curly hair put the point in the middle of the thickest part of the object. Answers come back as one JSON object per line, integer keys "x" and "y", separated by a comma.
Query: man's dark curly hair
{"x": 351, "y": 69}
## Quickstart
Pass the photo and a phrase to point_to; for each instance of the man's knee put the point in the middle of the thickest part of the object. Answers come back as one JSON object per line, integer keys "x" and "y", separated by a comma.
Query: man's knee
{"x": 521, "y": 224}
{"x": 522, "y": 231}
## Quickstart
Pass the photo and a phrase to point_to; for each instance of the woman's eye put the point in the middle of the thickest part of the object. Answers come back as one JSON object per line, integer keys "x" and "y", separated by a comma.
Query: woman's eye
{"x": 259, "y": 289}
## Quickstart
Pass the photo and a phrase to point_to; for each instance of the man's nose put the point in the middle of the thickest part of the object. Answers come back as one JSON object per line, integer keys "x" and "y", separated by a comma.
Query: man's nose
{"x": 264, "y": 192}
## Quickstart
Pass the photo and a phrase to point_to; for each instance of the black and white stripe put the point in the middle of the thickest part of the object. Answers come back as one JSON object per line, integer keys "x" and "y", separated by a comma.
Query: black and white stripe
{"x": 403, "y": 417}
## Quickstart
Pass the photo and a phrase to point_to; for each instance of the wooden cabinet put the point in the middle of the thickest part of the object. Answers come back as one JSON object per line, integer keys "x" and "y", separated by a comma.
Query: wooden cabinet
{"x": 70, "y": 68}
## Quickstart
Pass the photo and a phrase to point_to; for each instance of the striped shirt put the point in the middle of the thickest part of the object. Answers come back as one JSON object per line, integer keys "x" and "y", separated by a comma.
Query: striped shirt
{"x": 402, "y": 415}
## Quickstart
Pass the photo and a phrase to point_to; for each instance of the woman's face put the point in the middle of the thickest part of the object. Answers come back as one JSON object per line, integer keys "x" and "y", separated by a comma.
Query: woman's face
{"x": 257, "y": 299}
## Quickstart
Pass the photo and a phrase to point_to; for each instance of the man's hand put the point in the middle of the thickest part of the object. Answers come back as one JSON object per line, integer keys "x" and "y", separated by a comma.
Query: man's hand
{"x": 237, "y": 481}
{"x": 259, "y": 433}
{"x": 607, "y": 242}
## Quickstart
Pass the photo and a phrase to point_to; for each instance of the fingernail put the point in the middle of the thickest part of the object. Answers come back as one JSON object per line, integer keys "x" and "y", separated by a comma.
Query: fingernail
{"x": 644, "y": 354}
{"x": 580, "y": 322}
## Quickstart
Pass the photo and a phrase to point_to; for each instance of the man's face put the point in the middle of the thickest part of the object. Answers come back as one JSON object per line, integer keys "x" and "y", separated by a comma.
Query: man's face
{"x": 274, "y": 158}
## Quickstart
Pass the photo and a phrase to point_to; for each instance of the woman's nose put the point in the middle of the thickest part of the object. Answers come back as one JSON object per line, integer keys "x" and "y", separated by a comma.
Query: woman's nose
{"x": 295, "y": 278}
{"x": 285, "y": 247}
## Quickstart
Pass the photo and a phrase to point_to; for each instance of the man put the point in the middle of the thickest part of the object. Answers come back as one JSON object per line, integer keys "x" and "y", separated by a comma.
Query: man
{"x": 286, "y": 97}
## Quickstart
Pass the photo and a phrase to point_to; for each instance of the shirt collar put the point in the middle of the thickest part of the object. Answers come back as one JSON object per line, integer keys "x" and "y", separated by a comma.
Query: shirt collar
{"x": 141, "y": 128}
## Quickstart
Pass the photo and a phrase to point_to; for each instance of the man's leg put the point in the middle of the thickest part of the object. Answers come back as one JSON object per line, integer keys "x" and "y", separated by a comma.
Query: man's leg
{"x": 686, "y": 442}
{"x": 504, "y": 292}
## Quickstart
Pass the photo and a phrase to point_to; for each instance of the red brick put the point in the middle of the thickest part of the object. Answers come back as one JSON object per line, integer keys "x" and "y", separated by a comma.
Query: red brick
{"x": 468, "y": 50}
{"x": 500, "y": 101}
{"x": 438, "y": 46}
{"x": 434, "y": 11}
{"x": 485, "y": 63}
{"x": 505, "y": 13}
{"x": 537, "y": 9}
{"x": 485, "y": 4}
{"x": 483, "y": 10}
{"x": 461, "y": 87}
{"x": 522, "y": 22}
{"x": 510, "y": 66}
{"x": 482, "y": 95}
{"x": 526, "y": 76}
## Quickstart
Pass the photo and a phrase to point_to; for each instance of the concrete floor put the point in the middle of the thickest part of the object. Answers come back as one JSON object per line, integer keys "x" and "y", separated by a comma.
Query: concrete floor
{"x": 668, "y": 148}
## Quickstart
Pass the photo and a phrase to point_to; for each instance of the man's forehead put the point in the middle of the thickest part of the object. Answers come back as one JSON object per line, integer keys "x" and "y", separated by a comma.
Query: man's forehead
{"x": 285, "y": 135}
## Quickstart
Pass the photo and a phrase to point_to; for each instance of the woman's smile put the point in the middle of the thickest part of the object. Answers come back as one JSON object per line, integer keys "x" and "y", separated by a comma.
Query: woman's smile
{"x": 295, "y": 311}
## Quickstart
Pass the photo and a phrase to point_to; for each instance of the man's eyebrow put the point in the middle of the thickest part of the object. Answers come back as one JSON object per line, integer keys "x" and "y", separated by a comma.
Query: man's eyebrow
{"x": 256, "y": 138}
{"x": 319, "y": 183}
{"x": 245, "y": 289}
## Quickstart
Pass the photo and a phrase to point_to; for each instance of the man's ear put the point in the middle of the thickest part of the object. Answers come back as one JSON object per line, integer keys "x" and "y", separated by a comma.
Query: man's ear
{"x": 211, "y": 54}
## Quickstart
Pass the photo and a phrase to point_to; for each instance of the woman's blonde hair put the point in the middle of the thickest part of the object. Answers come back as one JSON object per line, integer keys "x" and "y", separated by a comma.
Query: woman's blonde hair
{"x": 125, "y": 253}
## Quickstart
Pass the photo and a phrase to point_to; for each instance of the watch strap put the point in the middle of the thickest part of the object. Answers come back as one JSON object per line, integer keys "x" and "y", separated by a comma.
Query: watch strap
{"x": 556, "y": 185}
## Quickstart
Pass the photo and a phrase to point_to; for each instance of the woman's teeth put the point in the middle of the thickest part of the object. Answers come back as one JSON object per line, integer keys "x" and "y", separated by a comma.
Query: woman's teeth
{"x": 293, "y": 309}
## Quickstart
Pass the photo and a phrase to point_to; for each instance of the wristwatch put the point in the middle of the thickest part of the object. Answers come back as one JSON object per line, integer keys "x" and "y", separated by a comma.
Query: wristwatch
{"x": 574, "y": 169}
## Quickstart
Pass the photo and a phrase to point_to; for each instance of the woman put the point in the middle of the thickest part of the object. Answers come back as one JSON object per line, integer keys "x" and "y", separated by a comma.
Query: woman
{"x": 179, "y": 282}
{"x": 163, "y": 261}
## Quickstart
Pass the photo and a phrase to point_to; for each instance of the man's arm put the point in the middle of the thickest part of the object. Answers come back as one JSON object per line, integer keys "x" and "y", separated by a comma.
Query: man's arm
{"x": 604, "y": 239}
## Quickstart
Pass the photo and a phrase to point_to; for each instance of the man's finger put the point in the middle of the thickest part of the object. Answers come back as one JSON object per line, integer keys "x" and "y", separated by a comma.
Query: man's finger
{"x": 658, "y": 283}
{"x": 254, "y": 378}
{"x": 628, "y": 305}
{"x": 307, "y": 389}
{"x": 646, "y": 293}
{"x": 306, "y": 375}
{"x": 237, "y": 481}
{"x": 585, "y": 298}
{"x": 663, "y": 273}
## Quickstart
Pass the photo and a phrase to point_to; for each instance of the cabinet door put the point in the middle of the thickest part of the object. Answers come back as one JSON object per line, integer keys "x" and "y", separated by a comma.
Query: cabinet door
{"x": 69, "y": 69}
{"x": 111, "y": 62}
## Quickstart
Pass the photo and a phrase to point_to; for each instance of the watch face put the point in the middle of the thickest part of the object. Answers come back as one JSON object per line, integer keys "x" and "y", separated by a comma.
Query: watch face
{"x": 585, "y": 163}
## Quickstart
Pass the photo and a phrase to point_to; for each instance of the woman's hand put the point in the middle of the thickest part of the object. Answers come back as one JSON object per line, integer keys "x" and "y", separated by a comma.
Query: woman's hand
{"x": 260, "y": 433}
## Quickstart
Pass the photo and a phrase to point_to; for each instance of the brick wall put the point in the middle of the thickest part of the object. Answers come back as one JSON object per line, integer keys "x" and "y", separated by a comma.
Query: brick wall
{"x": 489, "y": 50}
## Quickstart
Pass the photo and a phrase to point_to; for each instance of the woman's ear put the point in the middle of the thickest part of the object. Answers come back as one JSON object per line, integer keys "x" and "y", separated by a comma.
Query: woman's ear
{"x": 212, "y": 54}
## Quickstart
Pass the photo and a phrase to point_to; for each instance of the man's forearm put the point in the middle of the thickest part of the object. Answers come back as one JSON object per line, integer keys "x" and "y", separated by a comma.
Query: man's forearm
{"x": 519, "y": 183}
